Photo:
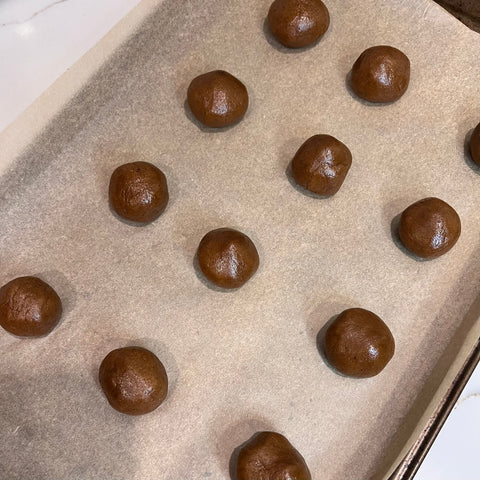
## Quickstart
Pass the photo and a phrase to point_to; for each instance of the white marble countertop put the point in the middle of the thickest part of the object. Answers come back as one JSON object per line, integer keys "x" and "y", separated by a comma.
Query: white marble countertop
{"x": 41, "y": 39}
{"x": 455, "y": 453}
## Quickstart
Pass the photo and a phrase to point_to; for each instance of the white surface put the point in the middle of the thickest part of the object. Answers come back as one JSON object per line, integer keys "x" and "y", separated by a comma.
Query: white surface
{"x": 455, "y": 453}
{"x": 40, "y": 39}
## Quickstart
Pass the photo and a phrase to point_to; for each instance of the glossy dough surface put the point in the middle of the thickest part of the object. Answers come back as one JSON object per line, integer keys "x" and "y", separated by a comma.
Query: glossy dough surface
{"x": 298, "y": 23}
{"x": 138, "y": 192}
{"x": 227, "y": 257}
{"x": 321, "y": 164}
{"x": 270, "y": 456}
{"x": 217, "y": 99}
{"x": 381, "y": 74}
{"x": 475, "y": 145}
{"x": 133, "y": 380}
{"x": 29, "y": 307}
{"x": 358, "y": 343}
{"x": 429, "y": 228}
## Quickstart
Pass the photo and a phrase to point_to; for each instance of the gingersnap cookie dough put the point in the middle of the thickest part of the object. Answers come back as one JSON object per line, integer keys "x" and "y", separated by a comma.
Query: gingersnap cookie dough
{"x": 321, "y": 164}
{"x": 217, "y": 99}
{"x": 133, "y": 380}
{"x": 138, "y": 192}
{"x": 227, "y": 257}
{"x": 429, "y": 228}
{"x": 381, "y": 74}
{"x": 29, "y": 307}
{"x": 298, "y": 23}
{"x": 358, "y": 343}
{"x": 270, "y": 456}
{"x": 475, "y": 145}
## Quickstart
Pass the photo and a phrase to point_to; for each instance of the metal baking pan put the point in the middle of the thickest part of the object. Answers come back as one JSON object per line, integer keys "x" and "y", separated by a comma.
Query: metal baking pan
{"x": 247, "y": 360}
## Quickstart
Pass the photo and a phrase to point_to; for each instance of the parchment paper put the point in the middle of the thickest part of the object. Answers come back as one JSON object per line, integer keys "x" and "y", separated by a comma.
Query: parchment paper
{"x": 247, "y": 360}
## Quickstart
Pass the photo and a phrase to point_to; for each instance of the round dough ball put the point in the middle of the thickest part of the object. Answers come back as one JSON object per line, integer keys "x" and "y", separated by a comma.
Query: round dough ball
{"x": 381, "y": 74}
{"x": 321, "y": 164}
{"x": 298, "y": 23}
{"x": 358, "y": 344}
{"x": 227, "y": 257}
{"x": 475, "y": 145}
{"x": 138, "y": 192}
{"x": 133, "y": 380}
{"x": 29, "y": 307}
{"x": 270, "y": 456}
{"x": 217, "y": 99}
{"x": 429, "y": 228}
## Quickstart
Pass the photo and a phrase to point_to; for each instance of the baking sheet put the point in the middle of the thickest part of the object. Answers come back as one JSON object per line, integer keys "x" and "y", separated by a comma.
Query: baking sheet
{"x": 443, "y": 403}
{"x": 239, "y": 361}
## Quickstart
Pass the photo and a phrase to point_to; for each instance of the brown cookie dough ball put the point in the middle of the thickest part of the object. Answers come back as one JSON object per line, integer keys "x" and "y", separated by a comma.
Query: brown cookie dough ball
{"x": 429, "y": 228}
{"x": 381, "y": 74}
{"x": 138, "y": 192}
{"x": 217, "y": 99}
{"x": 475, "y": 145}
{"x": 133, "y": 380}
{"x": 298, "y": 23}
{"x": 29, "y": 307}
{"x": 270, "y": 456}
{"x": 358, "y": 343}
{"x": 321, "y": 164}
{"x": 227, "y": 257}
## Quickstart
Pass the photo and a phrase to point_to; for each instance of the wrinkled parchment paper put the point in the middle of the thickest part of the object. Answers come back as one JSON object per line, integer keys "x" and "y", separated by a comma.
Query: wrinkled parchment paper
{"x": 247, "y": 360}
